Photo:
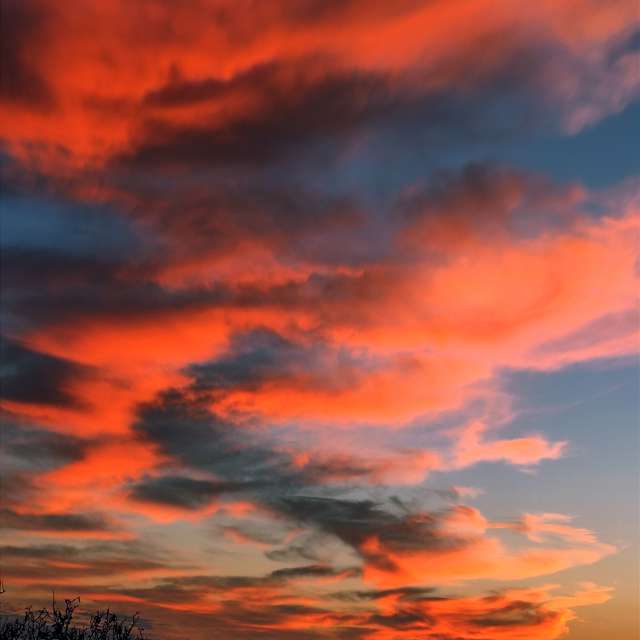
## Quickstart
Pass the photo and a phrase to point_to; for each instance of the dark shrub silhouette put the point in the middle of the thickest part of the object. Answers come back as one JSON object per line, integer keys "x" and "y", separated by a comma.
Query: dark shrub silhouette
{"x": 57, "y": 624}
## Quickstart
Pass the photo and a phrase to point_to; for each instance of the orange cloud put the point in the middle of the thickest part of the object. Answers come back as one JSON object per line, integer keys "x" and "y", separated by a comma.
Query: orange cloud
{"x": 294, "y": 328}
{"x": 81, "y": 99}
{"x": 482, "y": 556}
{"x": 471, "y": 449}
{"x": 515, "y": 614}
{"x": 539, "y": 527}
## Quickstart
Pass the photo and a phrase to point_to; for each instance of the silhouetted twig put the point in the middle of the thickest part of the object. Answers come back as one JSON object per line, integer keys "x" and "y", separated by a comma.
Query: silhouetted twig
{"x": 56, "y": 624}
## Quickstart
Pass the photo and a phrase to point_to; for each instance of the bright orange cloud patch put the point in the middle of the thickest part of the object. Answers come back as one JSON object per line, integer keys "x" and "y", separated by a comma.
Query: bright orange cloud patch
{"x": 270, "y": 318}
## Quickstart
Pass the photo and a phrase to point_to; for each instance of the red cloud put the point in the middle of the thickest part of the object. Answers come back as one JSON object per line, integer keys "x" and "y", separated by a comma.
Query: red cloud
{"x": 226, "y": 359}
{"x": 195, "y": 68}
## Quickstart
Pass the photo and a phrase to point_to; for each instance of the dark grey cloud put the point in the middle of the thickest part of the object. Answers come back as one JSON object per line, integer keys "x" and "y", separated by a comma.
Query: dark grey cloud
{"x": 214, "y": 216}
{"x": 228, "y": 587}
{"x": 295, "y": 103}
{"x": 263, "y": 356}
{"x": 50, "y": 562}
{"x": 183, "y": 427}
{"x": 356, "y": 521}
{"x": 238, "y": 28}
{"x": 403, "y": 593}
{"x": 307, "y": 550}
{"x": 254, "y": 357}
{"x": 65, "y": 261}
{"x": 243, "y": 460}
{"x": 37, "y": 378}
{"x": 310, "y": 571}
{"x": 59, "y": 256}
{"x": 117, "y": 299}
{"x": 629, "y": 44}
{"x": 515, "y": 614}
{"x": 277, "y": 577}
{"x": 22, "y": 35}
{"x": 24, "y": 267}
{"x": 484, "y": 200}
{"x": 182, "y": 491}
{"x": 311, "y": 109}
{"x": 58, "y": 522}
{"x": 30, "y": 448}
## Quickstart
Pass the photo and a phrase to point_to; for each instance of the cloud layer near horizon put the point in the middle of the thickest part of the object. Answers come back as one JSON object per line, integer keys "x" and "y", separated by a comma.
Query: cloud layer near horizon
{"x": 234, "y": 386}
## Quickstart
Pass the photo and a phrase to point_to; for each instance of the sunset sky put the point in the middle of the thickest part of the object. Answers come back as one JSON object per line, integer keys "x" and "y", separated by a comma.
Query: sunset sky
{"x": 319, "y": 317}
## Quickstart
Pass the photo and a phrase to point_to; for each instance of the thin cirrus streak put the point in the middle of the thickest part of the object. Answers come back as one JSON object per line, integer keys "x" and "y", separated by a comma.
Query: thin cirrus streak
{"x": 300, "y": 312}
